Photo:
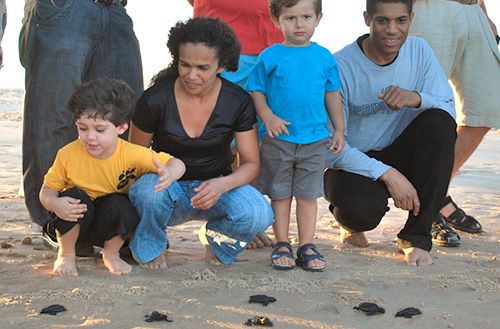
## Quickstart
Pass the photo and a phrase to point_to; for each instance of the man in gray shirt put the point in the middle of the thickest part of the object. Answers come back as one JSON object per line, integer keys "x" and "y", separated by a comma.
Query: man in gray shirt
{"x": 400, "y": 132}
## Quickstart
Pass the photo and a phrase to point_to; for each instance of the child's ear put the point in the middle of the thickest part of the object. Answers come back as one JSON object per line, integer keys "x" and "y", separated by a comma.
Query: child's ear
{"x": 319, "y": 18}
{"x": 276, "y": 22}
{"x": 122, "y": 128}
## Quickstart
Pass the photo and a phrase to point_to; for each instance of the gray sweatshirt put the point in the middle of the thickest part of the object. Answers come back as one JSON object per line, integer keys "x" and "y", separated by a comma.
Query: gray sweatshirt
{"x": 370, "y": 123}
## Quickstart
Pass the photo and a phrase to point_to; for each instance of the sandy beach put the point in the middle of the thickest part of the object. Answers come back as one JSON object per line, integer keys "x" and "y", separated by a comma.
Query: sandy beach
{"x": 461, "y": 290}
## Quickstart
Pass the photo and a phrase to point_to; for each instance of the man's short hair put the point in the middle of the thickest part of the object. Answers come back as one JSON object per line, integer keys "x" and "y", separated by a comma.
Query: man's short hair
{"x": 370, "y": 4}
{"x": 276, "y": 5}
{"x": 107, "y": 99}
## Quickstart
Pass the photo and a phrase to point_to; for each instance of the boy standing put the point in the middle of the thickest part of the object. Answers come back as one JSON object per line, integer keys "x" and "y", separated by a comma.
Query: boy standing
{"x": 85, "y": 189}
{"x": 295, "y": 89}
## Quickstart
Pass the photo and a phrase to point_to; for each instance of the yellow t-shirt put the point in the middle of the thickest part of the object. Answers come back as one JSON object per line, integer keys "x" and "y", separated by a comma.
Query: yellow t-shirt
{"x": 74, "y": 167}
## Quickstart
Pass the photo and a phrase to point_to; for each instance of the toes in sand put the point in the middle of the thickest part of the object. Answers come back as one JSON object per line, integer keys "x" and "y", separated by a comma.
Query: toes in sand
{"x": 356, "y": 239}
{"x": 65, "y": 265}
{"x": 417, "y": 257}
{"x": 115, "y": 264}
{"x": 159, "y": 263}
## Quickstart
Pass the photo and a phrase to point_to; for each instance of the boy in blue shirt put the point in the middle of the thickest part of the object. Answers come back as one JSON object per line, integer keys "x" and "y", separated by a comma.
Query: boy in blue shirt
{"x": 295, "y": 89}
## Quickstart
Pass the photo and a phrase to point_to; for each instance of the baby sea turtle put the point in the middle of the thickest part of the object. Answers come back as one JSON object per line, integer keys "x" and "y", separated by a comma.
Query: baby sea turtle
{"x": 262, "y": 299}
{"x": 259, "y": 321}
{"x": 369, "y": 308}
{"x": 408, "y": 312}
{"x": 156, "y": 316}
{"x": 53, "y": 309}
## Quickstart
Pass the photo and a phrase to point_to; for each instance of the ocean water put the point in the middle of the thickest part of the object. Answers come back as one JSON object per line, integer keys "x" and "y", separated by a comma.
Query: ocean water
{"x": 11, "y": 100}
{"x": 11, "y": 104}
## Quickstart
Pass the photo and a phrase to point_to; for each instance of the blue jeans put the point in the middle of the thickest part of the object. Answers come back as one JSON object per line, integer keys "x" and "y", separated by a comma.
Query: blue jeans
{"x": 231, "y": 223}
{"x": 64, "y": 43}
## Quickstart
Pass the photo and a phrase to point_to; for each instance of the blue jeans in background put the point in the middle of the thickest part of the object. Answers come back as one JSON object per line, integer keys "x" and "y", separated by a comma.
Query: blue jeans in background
{"x": 64, "y": 43}
{"x": 231, "y": 223}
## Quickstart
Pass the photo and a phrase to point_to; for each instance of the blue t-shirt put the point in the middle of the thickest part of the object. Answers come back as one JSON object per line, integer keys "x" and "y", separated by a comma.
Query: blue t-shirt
{"x": 295, "y": 81}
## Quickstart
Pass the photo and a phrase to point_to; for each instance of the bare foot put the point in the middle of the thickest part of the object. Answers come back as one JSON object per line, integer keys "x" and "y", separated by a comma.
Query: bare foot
{"x": 210, "y": 257}
{"x": 417, "y": 257}
{"x": 261, "y": 240}
{"x": 65, "y": 265}
{"x": 356, "y": 239}
{"x": 115, "y": 264}
{"x": 159, "y": 263}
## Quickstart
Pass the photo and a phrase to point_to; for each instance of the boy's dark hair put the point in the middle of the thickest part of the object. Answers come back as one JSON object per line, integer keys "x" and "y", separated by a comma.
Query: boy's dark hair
{"x": 370, "y": 4}
{"x": 107, "y": 99}
{"x": 211, "y": 32}
{"x": 276, "y": 5}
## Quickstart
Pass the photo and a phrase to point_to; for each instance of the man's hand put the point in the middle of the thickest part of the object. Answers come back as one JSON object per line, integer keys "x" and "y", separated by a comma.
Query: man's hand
{"x": 397, "y": 98}
{"x": 401, "y": 190}
{"x": 69, "y": 209}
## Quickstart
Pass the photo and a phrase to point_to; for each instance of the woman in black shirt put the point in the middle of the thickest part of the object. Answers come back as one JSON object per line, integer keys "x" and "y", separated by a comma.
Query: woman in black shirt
{"x": 193, "y": 114}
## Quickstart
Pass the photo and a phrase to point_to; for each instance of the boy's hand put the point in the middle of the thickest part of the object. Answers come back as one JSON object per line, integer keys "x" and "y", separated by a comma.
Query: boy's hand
{"x": 164, "y": 174}
{"x": 397, "y": 98}
{"x": 275, "y": 126}
{"x": 68, "y": 208}
{"x": 338, "y": 142}
{"x": 208, "y": 193}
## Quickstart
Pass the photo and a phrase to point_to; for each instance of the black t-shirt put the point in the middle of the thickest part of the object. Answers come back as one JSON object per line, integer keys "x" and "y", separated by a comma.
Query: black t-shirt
{"x": 208, "y": 155}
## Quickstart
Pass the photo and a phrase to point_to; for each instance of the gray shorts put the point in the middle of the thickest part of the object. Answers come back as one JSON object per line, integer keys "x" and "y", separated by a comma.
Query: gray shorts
{"x": 292, "y": 170}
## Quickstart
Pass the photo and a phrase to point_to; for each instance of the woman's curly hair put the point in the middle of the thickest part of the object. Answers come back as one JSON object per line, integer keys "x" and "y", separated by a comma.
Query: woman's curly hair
{"x": 213, "y": 33}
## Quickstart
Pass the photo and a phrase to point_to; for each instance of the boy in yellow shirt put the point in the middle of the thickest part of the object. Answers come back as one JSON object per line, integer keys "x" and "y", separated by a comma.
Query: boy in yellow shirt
{"x": 86, "y": 188}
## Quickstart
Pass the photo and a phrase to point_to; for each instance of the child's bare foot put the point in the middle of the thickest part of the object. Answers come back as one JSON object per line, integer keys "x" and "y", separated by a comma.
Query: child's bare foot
{"x": 65, "y": 265}
{"x": 356, "y": 239}
{"x": 115, "y": 264}
{"x": 417, "y": 257}
{"x": 210, "y": 257}
{"x": 159, "y": 263}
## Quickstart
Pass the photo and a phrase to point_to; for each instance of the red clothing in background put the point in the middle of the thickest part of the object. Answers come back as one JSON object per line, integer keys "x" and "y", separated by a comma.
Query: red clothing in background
{"x": 250, "y": 20}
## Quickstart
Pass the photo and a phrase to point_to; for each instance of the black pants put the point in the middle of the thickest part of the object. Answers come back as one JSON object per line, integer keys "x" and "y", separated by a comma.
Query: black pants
{"x": 424, "y": 154}
{"x": 106, "y": 217}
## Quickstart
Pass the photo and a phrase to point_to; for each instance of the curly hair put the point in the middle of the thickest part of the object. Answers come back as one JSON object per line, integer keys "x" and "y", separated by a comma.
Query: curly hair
{"x": 276, "y": 5}
{"x": 213, "y": 33}
{"x": 370, "y": 4}
{"x": 107, "y": 99}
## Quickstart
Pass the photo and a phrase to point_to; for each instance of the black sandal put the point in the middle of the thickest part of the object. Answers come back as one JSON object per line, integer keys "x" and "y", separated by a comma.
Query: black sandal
{"x": 278, "y": 254}
{"x": 442, "y": 234}
{"x": 304, "y": 259}
{"x": 459, "y": 220}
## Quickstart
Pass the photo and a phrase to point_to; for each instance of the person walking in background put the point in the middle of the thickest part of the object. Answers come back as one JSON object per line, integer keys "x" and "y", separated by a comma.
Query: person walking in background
{"x": 64, "y": 43}
{"x": 463, "y": 38}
